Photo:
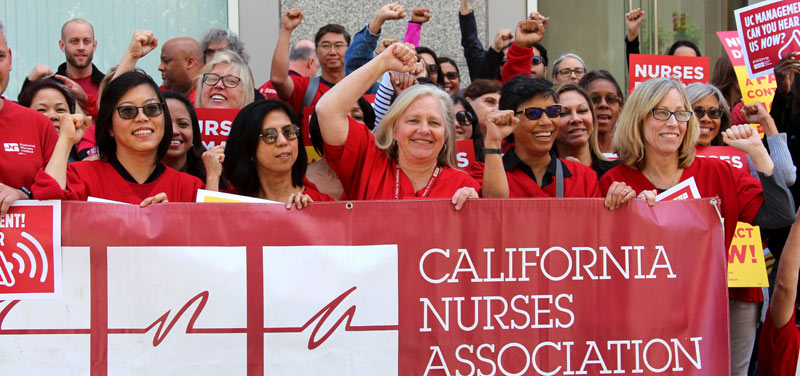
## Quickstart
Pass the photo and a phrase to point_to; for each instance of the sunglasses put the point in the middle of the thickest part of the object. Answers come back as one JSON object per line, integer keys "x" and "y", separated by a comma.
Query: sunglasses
{"x": 229, "y": 81}
{"x": 610, "y": 99}
{"x": 149, "y": 110}
{"x": 433, "y": 69}
{"x": 662, "y": 114}
{"x": 713, "y": 113}
{"x": 452, "y": 76}
{"x": 464, "y": 118}
{"x": 289, "y": 131}
{"x": 535, "y": 113}
{"x": 537, "y": 60}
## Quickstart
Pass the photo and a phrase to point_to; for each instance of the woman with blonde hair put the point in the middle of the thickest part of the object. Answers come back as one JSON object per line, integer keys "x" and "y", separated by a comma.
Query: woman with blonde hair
{"x": 412, "y": 155}
{"x": 655, "y": 140}
{"x": 224, "y": 82}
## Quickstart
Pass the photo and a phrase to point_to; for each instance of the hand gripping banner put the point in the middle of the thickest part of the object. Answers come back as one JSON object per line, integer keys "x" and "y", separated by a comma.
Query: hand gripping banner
{"x": 517, "y": 287}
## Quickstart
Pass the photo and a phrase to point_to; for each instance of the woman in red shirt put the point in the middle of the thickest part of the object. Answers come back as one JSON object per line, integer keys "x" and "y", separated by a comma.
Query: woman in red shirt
{"x": 133, "y": 133}
{"x": 655, "y": 141}
{"x": 413, "y": 152}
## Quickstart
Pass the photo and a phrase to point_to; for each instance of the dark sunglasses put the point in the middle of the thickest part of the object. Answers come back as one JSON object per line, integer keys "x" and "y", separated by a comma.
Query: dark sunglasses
{"x": 452, "y": 76}
{"x": 464, "y": 118}
{"x": 149, "y": 110}
{"x": 537, "y": 60}
{"x": 433, "y": 69}
{"x": 610, "y": 99}
{"x": 535, "y": 113}
{"x": 713, "y": 113}
{"x": 270, "y": 135}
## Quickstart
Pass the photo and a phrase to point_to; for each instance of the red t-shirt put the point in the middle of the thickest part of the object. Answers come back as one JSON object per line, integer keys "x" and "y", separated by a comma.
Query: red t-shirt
{"x": 741, "y": 197}
{"x": 100, "y": 179}
{"x": 367, "y": 173}
{"x": 308, "y": 189}
{"x": 87, "y": 85}
{"x": 268, "y": 91}
{"x": 579, "y": 180}
{"x": 28, "y": 139}
{"x": 778, "y": 349}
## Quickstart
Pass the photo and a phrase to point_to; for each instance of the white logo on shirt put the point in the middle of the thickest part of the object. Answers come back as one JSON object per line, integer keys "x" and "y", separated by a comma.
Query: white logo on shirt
{"x": 19, "y": 148}
{"x": 11, "y": 146}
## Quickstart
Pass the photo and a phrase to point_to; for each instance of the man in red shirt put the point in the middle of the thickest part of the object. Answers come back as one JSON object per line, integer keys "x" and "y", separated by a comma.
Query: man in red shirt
{"x": 78, "y": 44}
{"x": 779, "y": 343}
{"x": 28, "y": 139}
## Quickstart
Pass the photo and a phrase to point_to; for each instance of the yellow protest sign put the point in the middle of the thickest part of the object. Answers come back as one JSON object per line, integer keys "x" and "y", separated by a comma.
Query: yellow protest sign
{"x": 746, "y": 267}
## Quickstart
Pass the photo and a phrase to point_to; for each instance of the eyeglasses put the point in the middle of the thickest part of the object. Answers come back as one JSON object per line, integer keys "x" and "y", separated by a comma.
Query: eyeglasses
{"x": 534, "y": 113}
{"x": 433, "y": 68}
{"x": 452, "y": 76}
{"x": 325, "y": 46}
{"x": 537, "y": 60}
{"x": 566, "y": 72}
{"x": 149, "y": 110}
{"x": 713, "y": 113}
{"x": 662, "y": 114}
{"x": 270, "y": 135}
{"x": 464, "y": 118}
{"x": 229, "y": 81}
{"x": 610, "y": 99}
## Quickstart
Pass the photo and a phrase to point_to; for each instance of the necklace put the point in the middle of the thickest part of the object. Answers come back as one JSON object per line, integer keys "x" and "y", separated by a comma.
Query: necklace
{"x": 671, "y": 183}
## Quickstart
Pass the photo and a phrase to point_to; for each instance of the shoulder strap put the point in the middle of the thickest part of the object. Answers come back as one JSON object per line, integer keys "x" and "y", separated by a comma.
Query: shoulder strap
{"x": 311, "y": 91}
{"x": 559, "y": 179}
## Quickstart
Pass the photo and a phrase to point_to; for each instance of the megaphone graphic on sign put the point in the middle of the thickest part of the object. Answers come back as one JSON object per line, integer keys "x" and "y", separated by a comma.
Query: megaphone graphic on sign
{"x": 24, "y": 253}
{"x": 791, "y": 46}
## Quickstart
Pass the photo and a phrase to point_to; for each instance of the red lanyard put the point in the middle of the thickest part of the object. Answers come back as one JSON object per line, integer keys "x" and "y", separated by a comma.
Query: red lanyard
{"x": 436, "y": 172}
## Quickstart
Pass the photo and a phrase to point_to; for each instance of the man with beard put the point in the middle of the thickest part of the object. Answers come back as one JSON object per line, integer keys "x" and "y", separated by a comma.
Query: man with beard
{"x": 78, "y": 44}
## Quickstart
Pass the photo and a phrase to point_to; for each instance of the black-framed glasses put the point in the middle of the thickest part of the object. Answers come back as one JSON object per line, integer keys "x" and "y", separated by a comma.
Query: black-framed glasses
{"x": 433, "y": 68}
{"x": 662, "y": 114}
{"x": 535, "y": 113}
{"x": 537, "y": 60}
{"x": 129, "y": 112}
{"x": 610, "y": 99}
{"x": 230, "y": 81}
{"x": 289, "y": 131}
{"x": 452, "y": 76}
{"x": 566, "y": 72}
{"x": 464, "y": 118}
{"x": 325, "y": 46}
{"x": 713, "y": 113}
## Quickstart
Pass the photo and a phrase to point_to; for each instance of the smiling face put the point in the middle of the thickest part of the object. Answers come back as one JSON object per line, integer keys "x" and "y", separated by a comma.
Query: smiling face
{"x": 709, "y": 128}
{"x": 182, "y": 136}
{"x": 484, "y": 105}
{"x": 51, "y": 103}
{"x": 664, "y": 137}
{"x": 420, "y": 132}
{"x": 452, "y": 84}
{"x": 463, "y": 131}
{"x": 280, "y": 156}
{"x": 576, "y": 120}
{"x": 141, "y": 134}
{"x": 78, "y": 44}
{"x": 221, "y": 96}
{"x": 429, "y": 61}
{"x": 607, "y": 113}
{"x": 535, "y": 137}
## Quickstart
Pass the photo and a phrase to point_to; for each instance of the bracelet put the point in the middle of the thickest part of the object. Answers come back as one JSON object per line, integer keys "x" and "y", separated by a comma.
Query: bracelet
{"x": 492, "y": 151}
{"x": 27, "y": 192}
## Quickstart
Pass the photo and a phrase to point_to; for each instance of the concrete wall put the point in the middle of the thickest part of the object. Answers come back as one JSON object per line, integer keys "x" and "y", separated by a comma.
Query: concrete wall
{"x": 259, "y": 22}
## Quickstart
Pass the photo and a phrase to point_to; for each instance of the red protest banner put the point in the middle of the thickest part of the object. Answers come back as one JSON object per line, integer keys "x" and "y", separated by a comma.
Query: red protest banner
{"x": 466, "y": 153}
{"x": 215, "y": 125}
{"x": 769, "y": 30}
{"x": 733, "y": 46}
{"x": 686, "y": 69}
{"x": 337, "y": 289}
{"x": 30, "y": 250}
{"x": 734, "y": 157}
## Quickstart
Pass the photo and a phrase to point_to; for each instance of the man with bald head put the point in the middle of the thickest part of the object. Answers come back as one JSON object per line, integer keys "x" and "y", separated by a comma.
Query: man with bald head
{"x": 78, "y": 44}
{"x": 303, "y": 60}
{"x": 181, "y": 62}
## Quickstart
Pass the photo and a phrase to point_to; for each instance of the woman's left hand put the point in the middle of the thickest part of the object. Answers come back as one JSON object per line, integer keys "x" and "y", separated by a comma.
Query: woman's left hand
{"x": 618, "y": 194}
{"x": 461, "y": 196}
{"x": 299, "y": 200}
{"x": 157, "y": 199}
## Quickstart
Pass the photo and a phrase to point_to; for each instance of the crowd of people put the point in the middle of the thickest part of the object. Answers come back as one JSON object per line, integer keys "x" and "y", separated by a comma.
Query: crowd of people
{"x": 538, "y": 131}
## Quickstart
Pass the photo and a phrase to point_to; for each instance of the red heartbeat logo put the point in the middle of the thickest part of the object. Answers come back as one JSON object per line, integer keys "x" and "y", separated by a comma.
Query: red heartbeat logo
{"x": 162, "y": 328}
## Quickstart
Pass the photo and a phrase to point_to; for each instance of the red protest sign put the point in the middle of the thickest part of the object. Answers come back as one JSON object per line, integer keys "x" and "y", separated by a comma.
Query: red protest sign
{"x": 686, "y": 69}
{"x": 433, "y": 291}
{"x": 736, "y": 158}
{"x": 30, "y": 250}
{"x": 733, "y": 46}
{"x": 215, "y": 125}
{"x": 465, "y": 154}
{"x": 769, "y": 30}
